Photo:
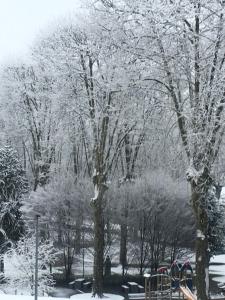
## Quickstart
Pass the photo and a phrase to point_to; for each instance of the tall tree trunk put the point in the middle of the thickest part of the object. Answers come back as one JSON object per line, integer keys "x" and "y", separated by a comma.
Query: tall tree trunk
{"x": 108, "y": 232}
{"x": 142, "y": 254}
{"x": 98, "y": 210}
{"x": 67, "y": 263}
{"x": 2, "y": 267}
{"x": 123, "y": 237}
{"x": 123, "y": 246}
{"x": 199, "y": 202}
{"x": 98, "y": 249}
{"x": 78, "y": 235}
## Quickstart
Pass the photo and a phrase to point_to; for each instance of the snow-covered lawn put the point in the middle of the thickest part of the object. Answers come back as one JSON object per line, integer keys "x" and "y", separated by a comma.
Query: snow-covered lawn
{"x": 23, "y": 297}
{"x": 218, "y": 269}
{"x": 87, "y": 296}
{"x": 60, "y": 292}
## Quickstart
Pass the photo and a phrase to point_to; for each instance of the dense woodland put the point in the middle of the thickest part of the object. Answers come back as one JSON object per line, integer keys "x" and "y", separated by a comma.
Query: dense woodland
{"x": 113, "y": 128}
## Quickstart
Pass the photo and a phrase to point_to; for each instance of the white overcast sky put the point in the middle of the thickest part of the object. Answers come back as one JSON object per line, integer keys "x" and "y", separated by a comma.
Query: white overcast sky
{"x": 22, "y": 20}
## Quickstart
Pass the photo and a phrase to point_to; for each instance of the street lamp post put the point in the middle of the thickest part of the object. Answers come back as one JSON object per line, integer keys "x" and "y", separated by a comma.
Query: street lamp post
{"x": 36, "y": 261}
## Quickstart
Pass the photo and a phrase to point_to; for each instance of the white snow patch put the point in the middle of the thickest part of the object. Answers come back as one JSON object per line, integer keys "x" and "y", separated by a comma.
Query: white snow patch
{"x": 88, "y": 296}
{"x": 192, "y": 174}
{"x": 200, "y": 234}
{"x": 96, "y": 193}
{"x": 218, "y": 269}
{"x": 218, "y": 259}
{"x": 23, "y": 297}
{"x": 119, "y": 268}
{"x": 222, "y": 196}
{"x": 95, "y": 172}
{"x": 200, "y": 258}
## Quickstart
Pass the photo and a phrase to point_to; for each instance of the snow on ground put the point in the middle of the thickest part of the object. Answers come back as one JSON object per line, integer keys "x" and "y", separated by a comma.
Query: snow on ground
{"x": 218, "y": 267}
{"x": 23, "y": 297}
{"x": 218, "y": 259}
{"x": 113, "y": 252}
{"x": 118, "y": 270}
{"x": 222, "y": 195}
{"x": 88, "y": 296}
{"x": 62, "y": 292}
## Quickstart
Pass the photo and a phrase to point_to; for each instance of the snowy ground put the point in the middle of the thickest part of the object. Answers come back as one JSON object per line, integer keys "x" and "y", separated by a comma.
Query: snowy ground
{"x": 113, "y": 252}
{"x": 23, "y": 297}
{"x": 62, "y": 292}
{"x": 218, "y": 268}
{"x": 87, "y": 296}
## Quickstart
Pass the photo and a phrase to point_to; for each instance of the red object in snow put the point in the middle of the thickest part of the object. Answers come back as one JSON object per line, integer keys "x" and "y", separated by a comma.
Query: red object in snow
{"x": 162, "y": 270}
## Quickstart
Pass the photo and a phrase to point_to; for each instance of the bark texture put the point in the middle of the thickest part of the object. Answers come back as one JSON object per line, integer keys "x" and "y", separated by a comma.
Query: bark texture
{"x": 98, "y": 211}
{"x": 123, "y": 246}
{"x": 98, "y": 249}
{"x": 199, "y": 203}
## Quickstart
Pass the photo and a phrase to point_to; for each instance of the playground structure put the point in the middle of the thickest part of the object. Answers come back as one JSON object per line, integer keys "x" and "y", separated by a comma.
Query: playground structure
{"x": 168, "y": 284}
{"x": 176, "y": 283}
{"x": 162, "y": 286}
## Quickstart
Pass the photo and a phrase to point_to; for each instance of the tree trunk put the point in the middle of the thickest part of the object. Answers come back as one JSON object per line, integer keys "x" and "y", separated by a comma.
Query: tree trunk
{"x": 143, "y": 236}
{"x": 98, "y": 245}
{"x": 108, "y": 232}
{"x": 123, "y": 236}
{"x": 2, "y": 268}
{"x": 123, "y": 246}
{"x": 199, "y": 202}
{"x": 78, "y": 235}
{"x": 142, "y": 255}
{"x": 163, "y": 251}
{"x": 68, "y": 261}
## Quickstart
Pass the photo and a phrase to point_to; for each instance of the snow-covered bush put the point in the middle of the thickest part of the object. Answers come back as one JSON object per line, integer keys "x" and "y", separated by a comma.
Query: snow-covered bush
{"x": 13, "y": 187}
{"x": 20, "y": 266}
{"x": 62, "y": 204}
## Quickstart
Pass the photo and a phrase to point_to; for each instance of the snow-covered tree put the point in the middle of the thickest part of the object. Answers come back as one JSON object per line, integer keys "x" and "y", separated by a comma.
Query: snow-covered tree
{"x": 32, "y": 115}
{"x": 13, "y": 187}
{"x": 63, "y": 207}
{"x": 181, "y": 44}
{"x": 20, "y": 266}
{"x": 98, "y": 83}
{"x": 159, "y": 217}
{"x": 105, "y": 77}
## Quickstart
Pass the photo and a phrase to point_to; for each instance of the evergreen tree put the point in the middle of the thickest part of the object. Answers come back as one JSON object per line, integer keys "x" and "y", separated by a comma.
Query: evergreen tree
{"x": 13, "y": 186}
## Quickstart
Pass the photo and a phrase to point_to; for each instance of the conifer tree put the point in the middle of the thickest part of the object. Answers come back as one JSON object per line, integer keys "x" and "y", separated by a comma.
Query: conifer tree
{"x": 13, "y": 186}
